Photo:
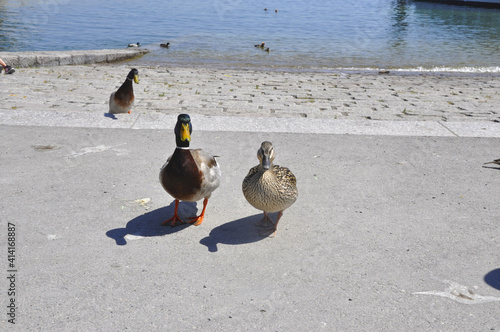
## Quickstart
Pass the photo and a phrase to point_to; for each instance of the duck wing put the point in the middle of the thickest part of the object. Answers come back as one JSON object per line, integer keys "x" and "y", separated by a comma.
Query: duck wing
{"x": 122, "y": 100}
{"x": 209, "y": 171}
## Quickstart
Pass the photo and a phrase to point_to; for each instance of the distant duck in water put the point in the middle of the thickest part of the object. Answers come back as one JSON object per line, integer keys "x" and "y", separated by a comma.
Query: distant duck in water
{"x": 261, "y": 45}
{"x": 165, "y": 45}
{"x": 134, "y": 45}
{"x": 121, "y": 100}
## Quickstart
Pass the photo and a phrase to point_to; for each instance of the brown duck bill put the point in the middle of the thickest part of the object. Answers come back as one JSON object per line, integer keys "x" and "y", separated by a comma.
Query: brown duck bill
{"x": 266, "y": 162}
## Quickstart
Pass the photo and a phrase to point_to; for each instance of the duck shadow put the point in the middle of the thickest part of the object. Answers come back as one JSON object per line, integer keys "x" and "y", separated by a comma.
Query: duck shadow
{"x": 110, "y": 115}
{"x": 149, "y": 224}
{"x": 492, "y": 167}
{"x": 492, "y": 278}
{"x": 241, "y": 231}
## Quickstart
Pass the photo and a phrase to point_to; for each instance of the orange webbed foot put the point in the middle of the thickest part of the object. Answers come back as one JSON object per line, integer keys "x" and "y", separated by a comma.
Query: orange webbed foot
{"x": 196, "y": 221}
{"x": 174, "y": 221}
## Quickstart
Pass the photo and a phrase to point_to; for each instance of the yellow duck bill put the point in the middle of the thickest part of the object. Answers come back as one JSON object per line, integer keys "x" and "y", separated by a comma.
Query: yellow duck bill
{"x": 185, "y": 135}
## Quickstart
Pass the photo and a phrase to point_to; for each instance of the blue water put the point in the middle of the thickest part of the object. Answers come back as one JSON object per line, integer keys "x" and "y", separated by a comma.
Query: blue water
{"x": 414, "y": 35}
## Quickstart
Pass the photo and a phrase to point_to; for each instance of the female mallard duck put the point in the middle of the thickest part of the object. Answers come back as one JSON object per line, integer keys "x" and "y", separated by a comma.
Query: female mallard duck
{"x": 121, "y": 100}
{"x": 270, "y": 188}
{"x": 189, "y": 174}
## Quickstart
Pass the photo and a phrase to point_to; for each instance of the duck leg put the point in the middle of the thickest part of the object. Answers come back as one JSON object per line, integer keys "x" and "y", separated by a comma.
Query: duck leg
{"x": 175, "y": 220}
{"x": 272, "y": 232}
{"x": 266, "y": 221}
{"x": 199, "y": 219}
{"x": 496, "y": 161}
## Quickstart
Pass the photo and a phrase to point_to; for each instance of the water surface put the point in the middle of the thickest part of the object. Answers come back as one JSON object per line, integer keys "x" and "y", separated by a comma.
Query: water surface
{"x": 411, "y": 35}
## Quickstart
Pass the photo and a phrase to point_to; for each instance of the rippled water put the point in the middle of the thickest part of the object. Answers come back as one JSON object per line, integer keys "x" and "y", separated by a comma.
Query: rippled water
{"x": 316, "y": 33}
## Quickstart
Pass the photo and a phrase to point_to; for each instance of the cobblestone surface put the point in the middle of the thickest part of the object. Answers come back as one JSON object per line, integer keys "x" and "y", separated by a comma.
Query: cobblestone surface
{"x": 86, "y": 88}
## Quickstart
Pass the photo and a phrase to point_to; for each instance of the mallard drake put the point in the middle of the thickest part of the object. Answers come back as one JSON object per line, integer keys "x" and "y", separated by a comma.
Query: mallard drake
{"x": 189, "y": 174}
{"x": 165, "y": 45}
{"x": 496, "y": 161}
{"x": 261, "y": 45}
{"x": 121, "y": 100}
{"x": 134, "y": 45}
{"x": 270, "y": 188}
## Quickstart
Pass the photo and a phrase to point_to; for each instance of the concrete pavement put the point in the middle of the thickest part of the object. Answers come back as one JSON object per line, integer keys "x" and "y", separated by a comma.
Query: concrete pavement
{"x": 390, "y": 233}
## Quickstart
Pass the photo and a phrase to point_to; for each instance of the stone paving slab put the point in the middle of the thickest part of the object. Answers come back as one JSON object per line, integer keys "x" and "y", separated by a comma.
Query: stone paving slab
{"x": 64, "y": 58}
{"x": 253, "y": 124}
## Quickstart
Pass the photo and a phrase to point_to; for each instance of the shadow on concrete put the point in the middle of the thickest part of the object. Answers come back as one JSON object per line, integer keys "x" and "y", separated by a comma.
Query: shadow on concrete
{"x": 110, "y": 115}
{"x": 492, "y": 278}
{"x": 236, "y": 232}
{"x": 149, "y": 224}
{"x": 492, "y": 167}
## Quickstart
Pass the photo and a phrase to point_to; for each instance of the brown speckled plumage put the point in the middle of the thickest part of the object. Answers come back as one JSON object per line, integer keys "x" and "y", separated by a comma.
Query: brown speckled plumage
{"x": 270, "y": 188}
{"x": 271, "y": 191}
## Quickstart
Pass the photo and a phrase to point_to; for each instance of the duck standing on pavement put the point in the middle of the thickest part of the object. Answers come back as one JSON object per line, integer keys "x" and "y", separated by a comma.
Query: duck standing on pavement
{"x": 122, "y": 100}
{"x": 189, "y": 174}
{"x": 270, "y": 188}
